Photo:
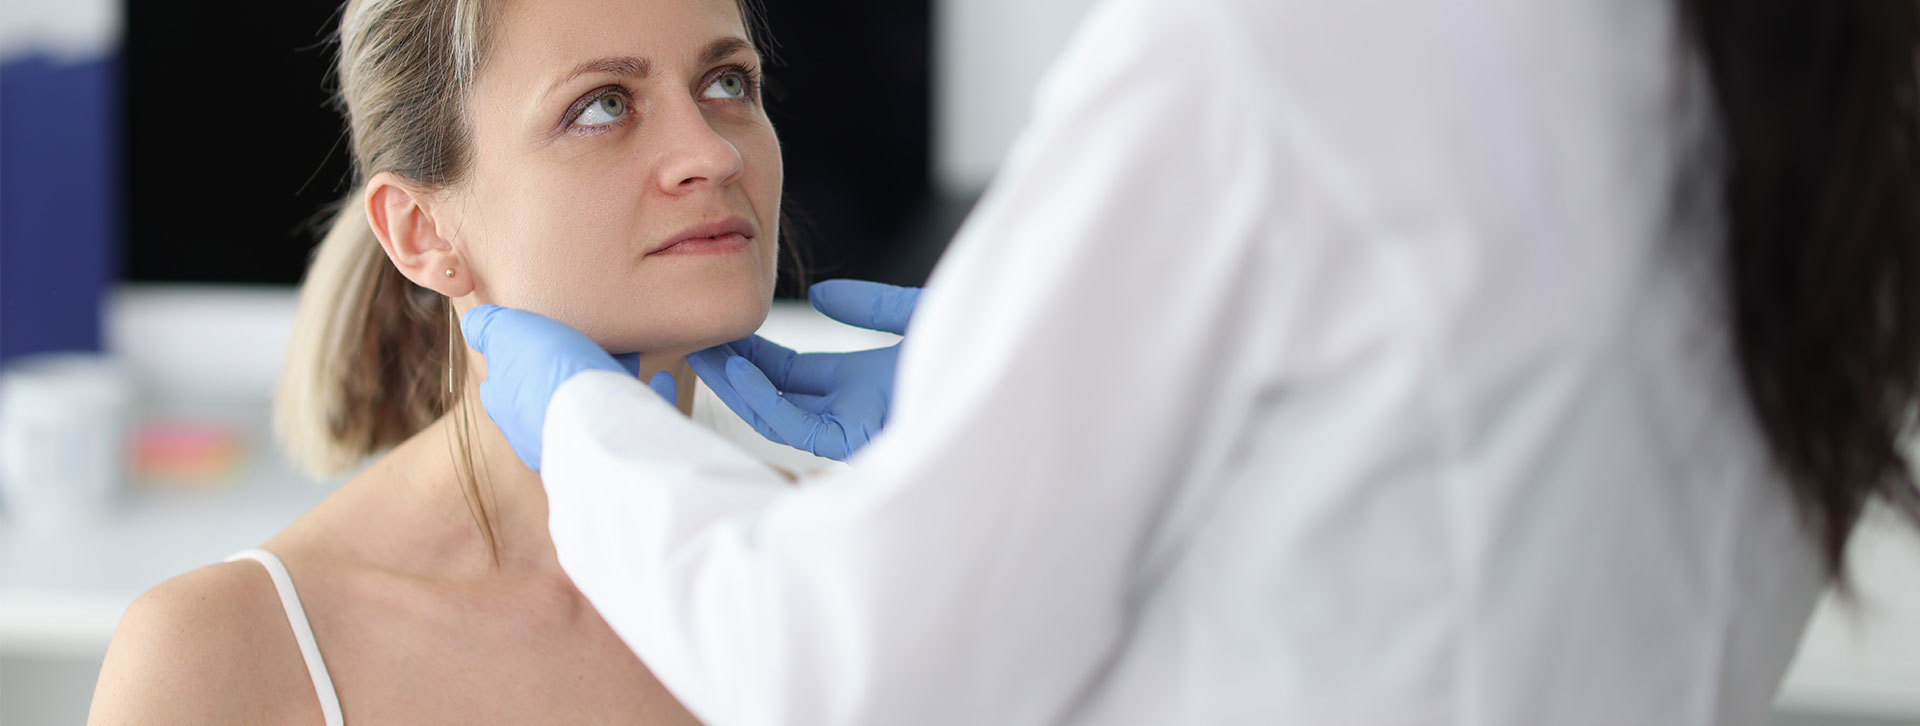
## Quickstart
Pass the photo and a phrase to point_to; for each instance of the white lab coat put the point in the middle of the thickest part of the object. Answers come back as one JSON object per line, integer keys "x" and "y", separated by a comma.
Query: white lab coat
{"x": 1325, "y": 363}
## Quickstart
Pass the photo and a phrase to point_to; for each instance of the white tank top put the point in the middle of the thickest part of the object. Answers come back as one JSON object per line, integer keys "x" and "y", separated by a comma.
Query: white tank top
{"x": 709, "y": 411}
{"x": 302, "y": 632}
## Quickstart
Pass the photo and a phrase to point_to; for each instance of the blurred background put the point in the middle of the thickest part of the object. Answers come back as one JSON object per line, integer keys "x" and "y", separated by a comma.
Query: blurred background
{"x": 162, "y": 167}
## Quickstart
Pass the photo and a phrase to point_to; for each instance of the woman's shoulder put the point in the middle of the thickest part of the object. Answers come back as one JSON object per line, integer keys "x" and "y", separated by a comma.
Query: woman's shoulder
{"x": 210, "y": 646}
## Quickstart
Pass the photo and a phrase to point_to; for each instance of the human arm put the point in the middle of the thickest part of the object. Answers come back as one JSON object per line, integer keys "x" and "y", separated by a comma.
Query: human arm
{"x": 1079, "y": 348}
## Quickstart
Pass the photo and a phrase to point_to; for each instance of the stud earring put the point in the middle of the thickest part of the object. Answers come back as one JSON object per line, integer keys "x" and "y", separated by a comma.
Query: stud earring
{"x": 449, "y": 272}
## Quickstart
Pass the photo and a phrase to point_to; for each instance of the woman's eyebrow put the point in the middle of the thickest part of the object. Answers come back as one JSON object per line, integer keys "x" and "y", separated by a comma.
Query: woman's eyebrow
{"x": 721, "y": 48}
{"x": 627, "y": 66}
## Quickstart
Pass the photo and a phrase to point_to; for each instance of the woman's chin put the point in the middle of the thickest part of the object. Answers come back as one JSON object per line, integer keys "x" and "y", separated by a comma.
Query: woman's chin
{"x": 686, "y": 338}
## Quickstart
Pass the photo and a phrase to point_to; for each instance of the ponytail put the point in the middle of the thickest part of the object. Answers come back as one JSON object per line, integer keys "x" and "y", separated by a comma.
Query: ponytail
{"x": 365, "y": 366}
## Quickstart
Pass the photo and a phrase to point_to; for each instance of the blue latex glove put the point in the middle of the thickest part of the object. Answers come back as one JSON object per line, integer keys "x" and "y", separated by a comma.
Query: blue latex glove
{"x": 829, "y": 404}
{"x": 528, "y": 356}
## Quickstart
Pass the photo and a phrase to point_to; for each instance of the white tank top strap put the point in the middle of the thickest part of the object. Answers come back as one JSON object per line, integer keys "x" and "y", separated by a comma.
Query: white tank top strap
{"x": 302, "y": 631}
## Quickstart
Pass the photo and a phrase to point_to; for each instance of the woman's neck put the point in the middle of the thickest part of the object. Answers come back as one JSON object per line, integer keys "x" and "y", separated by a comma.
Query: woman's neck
{"x": 683, "y": 381}
{"x": 483, "y": 474}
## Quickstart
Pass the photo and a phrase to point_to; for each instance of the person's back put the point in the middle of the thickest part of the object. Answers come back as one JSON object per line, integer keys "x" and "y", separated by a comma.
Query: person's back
{"x": 1508, "y": 435}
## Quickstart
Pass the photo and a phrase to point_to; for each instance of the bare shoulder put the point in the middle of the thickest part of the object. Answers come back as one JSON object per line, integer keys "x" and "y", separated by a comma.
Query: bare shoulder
{"x": 210, "y": 646}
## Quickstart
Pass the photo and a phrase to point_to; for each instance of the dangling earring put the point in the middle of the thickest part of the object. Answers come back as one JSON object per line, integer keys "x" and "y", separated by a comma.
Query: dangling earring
{"x": 449, "y": 345}
{"x": 450, "y": 324}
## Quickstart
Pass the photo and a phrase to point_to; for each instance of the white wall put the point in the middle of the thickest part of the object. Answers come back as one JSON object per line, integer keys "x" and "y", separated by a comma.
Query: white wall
{"x": 987, "y": 56}
{"x": 60, "y": 29}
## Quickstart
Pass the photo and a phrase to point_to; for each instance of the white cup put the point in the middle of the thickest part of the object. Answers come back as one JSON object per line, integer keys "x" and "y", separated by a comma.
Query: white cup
{"x": 63, "y": 429}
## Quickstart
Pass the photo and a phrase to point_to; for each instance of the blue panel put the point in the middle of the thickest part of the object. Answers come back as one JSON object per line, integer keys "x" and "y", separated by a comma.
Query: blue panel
{"x": 59, "y": 202}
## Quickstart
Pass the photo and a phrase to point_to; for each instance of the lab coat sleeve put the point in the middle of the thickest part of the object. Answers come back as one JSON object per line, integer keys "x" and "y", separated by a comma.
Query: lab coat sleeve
{"x": 1086, "y": 335}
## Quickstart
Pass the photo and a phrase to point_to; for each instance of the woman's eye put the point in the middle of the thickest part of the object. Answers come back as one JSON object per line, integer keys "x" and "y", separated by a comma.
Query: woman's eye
{"x": 604, "y": 110}
{"x": 731, "y": 84}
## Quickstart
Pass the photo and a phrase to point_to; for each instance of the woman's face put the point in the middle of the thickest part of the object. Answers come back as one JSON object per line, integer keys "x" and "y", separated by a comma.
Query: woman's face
{"x": 605, "y": 132}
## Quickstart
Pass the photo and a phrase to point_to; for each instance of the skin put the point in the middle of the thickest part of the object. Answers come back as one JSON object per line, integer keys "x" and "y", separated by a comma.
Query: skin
{"x": 417, "y": 622}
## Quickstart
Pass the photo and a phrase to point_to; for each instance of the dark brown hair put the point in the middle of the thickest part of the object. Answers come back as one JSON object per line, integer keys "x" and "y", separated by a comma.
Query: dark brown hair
{"x": 1819, "y": 178}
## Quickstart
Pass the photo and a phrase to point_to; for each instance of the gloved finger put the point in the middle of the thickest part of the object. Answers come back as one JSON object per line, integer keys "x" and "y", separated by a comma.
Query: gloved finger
{"x": 754, "y": 389}
{"x": 477, "y": 324}
{"x": 790, "y": 424}
{"x": 814, "y": 373}
{"x": 870, "y": 305}
{"x": 809, "y": 403}
{"x": 497, "y": 397}
{"x": 711, "y": 366}
{"x": 662, "y": 384}
{"x": 498, "y": 400}
{"x": 491, "y": 329}
{"x": 629, "y": 361}
{"x": 773, "y": 359}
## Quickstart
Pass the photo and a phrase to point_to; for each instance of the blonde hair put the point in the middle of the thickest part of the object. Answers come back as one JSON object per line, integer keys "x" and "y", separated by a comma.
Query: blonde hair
{"x": 365, "y": 367}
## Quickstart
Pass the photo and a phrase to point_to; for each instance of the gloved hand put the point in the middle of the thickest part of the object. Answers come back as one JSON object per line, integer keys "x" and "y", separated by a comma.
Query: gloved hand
{"x": 528, "y": 356}
{"x": 828, "y": 404}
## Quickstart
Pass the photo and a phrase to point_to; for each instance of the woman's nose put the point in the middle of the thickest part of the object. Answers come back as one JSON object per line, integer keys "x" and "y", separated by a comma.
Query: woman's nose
{"x": 696, "y": 155}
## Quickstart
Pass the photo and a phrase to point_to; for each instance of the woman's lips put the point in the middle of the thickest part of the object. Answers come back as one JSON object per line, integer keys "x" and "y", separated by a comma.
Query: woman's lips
{"x": 728, "y": 243}
{"x": 718, "y": 237}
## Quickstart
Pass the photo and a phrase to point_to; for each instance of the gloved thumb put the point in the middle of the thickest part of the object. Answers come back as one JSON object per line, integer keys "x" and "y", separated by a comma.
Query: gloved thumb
{"x": 870, "y": 305}
{"x": 475, "y": 324}
{"x": 662, "y": 383}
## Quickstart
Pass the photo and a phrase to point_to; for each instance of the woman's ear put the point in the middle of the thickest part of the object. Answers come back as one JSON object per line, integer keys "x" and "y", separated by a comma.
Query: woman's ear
{"x": 402, "y": 214}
